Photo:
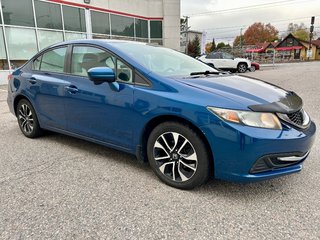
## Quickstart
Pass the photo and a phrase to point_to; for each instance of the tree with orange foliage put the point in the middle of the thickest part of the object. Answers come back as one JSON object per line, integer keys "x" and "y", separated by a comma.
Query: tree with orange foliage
{"x": 260, "y": 32}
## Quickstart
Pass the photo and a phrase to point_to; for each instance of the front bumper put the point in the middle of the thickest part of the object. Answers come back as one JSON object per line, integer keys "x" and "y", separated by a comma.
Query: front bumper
{"x": 237, "y": 148}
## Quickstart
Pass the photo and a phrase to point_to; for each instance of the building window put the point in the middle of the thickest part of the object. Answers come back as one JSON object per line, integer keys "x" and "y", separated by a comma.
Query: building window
{"x": 3, "y": 55}
{"x": 156, "y": 29}
{"x": 48, "y": 15}
{"x": 22, "y": 44}
{"x": 74, "y": 19}
{"x": 74, "y": 36}
{"x": 122, "y": 26}
{"x": 17, "y": 12}
{"x": 141, "y": 28}
{"x": 100, "y": 22}
{"x": 47, "y": 38}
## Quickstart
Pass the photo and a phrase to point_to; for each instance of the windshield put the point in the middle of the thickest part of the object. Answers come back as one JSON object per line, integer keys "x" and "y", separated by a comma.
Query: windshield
{"x": 163, "y": 61}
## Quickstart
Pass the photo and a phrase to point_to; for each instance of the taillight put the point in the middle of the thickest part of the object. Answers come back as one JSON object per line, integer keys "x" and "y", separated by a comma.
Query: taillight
{"x": 9, "y": 76}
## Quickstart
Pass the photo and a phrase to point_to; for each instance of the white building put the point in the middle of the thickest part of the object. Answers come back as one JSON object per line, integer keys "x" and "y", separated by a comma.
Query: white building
{"x": 27, "y": 26}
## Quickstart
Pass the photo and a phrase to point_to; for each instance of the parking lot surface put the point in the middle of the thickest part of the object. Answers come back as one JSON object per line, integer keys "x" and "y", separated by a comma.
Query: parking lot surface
{"x": 59, "y": 187}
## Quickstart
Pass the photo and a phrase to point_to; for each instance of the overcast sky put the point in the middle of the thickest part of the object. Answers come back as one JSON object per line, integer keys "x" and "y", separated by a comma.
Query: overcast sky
{"x": 222, "y": 19}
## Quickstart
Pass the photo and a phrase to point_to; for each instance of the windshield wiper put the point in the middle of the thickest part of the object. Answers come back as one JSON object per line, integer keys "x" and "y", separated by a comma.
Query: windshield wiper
{"x": 207, "y": 73}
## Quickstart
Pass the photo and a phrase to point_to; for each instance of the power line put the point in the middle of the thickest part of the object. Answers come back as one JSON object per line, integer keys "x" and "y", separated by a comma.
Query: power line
{"x": 256, "y": 6}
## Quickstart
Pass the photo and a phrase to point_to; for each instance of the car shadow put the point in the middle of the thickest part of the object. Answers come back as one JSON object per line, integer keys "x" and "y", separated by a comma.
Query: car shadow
{"x": 212, "y": 188}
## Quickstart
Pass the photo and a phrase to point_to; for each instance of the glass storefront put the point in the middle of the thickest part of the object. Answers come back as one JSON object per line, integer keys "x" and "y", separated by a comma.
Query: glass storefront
{"x": 18, "y": 13}
{"x": 122, "y": 26}
{"x": 3, "y": 55}
{"x": 22, "y": 44}
{"x": 141, "y": 28}
{"x": 47, "y": 38}
{"x": 100, "y": 22}
{"x": 74, "y": 19}
{"x": 48, "y": 15}
{"x": 28, "y": 26}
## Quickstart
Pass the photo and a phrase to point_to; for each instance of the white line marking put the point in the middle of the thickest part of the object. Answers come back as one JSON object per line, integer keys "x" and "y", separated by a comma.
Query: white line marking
{"x": 2, "y": 90}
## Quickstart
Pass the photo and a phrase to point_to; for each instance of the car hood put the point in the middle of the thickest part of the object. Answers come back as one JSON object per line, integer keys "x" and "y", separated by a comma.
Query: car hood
{"x": 251, "y": 93}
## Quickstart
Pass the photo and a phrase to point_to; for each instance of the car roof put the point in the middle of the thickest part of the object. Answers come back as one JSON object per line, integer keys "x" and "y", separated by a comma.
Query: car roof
{"x": 102, "y": 42}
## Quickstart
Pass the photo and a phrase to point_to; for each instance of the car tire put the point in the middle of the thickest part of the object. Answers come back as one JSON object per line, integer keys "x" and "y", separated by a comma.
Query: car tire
{"x": 211, "y": 65}
{"x": 242, "y": 67}
{"x": 252, "y": 69}
{"x": 178, "y": 155}
{"x": 27, "y": 119}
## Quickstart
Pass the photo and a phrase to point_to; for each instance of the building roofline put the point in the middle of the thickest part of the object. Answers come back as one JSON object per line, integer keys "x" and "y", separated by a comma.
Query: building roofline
{"x": 104, "y": 10}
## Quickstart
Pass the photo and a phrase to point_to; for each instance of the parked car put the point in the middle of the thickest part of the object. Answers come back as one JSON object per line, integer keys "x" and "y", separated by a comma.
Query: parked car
{"x": 226, "y": 61}
{"x": 254, "y": 66}
{"x": 190, "y": 121}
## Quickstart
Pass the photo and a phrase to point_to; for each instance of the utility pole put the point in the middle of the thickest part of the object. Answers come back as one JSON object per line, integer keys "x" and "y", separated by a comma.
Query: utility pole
{"x": 241, "y": 41}
{"x": 184, "y": 32}
{"x": 310, "y": 37}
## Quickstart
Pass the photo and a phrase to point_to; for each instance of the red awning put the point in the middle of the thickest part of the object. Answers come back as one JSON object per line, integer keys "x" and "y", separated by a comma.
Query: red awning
{"x": 288, "y": 48}
{"x": 255, "y": 50}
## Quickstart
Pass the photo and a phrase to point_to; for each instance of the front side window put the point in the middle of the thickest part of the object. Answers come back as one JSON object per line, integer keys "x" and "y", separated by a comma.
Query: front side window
{"x": 84, "y": 58}
{"x": 52, "y": 61}
{"x": 124, "y": 73}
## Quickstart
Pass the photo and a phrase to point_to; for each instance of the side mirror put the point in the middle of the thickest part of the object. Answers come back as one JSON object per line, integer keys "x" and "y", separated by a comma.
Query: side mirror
{"x": 101, "y": 74}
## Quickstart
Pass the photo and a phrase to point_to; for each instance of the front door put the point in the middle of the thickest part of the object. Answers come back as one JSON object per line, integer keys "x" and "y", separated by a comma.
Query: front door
{"x": 99, "y": 111}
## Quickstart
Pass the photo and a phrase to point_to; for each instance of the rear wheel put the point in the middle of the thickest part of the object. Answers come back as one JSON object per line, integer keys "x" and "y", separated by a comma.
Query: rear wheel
{"x": 178, "y": 155}
{"x": 253, "y": 69}
{"x": 27, "y": 119}
{"x": 242, "y": 67}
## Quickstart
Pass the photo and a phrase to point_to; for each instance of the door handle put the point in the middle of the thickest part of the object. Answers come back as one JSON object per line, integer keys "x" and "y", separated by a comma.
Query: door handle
{"x": 32, "y": 80}
{"x": 71, "y": 89}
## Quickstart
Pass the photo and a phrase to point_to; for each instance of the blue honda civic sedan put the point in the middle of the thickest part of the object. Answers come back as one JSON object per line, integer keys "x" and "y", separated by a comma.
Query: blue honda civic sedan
{"x": 190, "y": 121}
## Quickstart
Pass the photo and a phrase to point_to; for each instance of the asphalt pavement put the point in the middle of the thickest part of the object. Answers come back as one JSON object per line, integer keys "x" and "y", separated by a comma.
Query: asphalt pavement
{"x": 59, "y": 187}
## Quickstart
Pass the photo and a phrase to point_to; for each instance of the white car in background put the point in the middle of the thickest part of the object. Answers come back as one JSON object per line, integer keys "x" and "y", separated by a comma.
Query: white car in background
{"x": 226, "y": 61}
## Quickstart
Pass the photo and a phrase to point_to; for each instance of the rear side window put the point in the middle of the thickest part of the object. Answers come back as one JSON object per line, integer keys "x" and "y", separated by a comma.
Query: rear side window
{"x": 51, "y": 61}
{"x": 214, "y": 55}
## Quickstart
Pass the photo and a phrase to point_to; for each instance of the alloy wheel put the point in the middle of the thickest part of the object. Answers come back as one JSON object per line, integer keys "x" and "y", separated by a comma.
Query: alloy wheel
{"x": 26, "y": 118}
{"x": 175, "y": 156}
{"x": 242, "y": 68}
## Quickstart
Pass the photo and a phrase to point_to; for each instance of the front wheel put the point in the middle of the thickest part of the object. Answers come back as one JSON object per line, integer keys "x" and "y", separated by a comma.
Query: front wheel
{"x": 242, "y": 67}
{"x": 27, "y": 119}
{"x": 178, "y": 155}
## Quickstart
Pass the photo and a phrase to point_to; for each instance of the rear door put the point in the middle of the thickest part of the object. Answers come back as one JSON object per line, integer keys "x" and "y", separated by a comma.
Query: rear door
{"x": 46, "y": 85}
{"x": 228, "y": 61}
{"x": 216, "y": 59}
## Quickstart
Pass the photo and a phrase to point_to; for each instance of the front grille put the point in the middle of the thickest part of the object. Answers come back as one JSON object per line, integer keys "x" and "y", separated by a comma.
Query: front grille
{"x": 296, "y": 117}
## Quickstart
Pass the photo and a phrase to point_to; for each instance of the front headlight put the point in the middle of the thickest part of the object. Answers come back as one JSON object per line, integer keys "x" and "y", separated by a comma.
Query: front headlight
{"x": 253, "y": 119}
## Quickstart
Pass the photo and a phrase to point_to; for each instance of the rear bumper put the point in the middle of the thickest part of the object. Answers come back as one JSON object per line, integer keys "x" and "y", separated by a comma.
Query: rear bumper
{"x": 236, "y": 149}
